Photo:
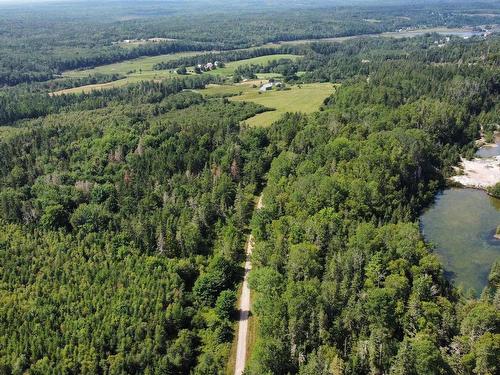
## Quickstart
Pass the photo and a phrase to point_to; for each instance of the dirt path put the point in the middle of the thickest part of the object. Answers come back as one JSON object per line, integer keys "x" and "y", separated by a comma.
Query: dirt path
{"x": 244, "y": 308}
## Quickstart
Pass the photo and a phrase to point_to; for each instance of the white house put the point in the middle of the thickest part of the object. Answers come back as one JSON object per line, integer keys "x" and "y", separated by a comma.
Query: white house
{"x": 269, "y": 86}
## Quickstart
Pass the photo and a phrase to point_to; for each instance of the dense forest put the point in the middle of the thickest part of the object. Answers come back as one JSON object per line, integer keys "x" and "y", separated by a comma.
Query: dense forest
{"x": 125, "y": 211}
{"x": 344, "y": 281}
{"x": 43, "y": 42}
{"x": 122, "y": 236}
{"x": 19, "y": 103}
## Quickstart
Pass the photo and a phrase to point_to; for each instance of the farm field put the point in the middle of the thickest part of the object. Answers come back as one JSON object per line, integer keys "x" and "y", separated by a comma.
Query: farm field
{"x": 141, "y": 69}
{"x": 98, "y": 86}
{"x": 143, "y": 66}
{"x": 135, "y": 70}
{"x": 305, "y": 98}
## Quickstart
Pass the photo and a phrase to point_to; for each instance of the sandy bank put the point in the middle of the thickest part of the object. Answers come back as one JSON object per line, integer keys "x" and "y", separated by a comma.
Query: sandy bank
{"x": 479, "y": 173}
{"x": 481, "y": 142}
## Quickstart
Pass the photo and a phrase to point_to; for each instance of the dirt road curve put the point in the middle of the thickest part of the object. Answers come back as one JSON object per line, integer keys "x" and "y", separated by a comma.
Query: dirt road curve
{"x": 244, "y": 307}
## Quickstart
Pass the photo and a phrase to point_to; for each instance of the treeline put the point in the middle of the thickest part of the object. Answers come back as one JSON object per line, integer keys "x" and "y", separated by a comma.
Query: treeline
{"x": 34, "y": 48}
{"x": 228, "y": 56}
{"x": 114, "y": 54}
{"x": 21, "y": 104}
{"x": 284, "y": 67}
{"x": 68, "y": 83}
{"x": 17, "y": 69}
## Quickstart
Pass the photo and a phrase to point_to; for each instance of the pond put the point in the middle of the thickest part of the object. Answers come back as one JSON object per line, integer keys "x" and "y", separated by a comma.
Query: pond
{"x": 461, "y": 225}
{"x": 490, "y": 150}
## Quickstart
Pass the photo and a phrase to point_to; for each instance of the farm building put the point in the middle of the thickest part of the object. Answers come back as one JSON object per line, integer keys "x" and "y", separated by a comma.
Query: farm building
{"x": 269, "y": 86}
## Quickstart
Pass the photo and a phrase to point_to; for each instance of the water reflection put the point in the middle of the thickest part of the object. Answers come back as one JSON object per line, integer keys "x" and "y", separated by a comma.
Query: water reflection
{"x": 461, "y": 225}
{"x": 489, "y": 151}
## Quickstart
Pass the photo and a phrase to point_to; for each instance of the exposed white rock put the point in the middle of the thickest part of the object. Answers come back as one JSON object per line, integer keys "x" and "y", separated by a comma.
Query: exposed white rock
{"x": 479, "y": 172}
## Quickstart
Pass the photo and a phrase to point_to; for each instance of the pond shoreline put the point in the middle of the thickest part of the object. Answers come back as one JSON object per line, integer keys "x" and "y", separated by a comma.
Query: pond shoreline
{"x": 483, "y": 171}
{"x": 478, "y": 173}
{"x": 467, "y": 210}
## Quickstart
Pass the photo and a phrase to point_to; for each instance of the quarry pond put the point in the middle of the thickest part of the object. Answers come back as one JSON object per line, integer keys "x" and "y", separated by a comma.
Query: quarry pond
{"x": 461, "y": 224}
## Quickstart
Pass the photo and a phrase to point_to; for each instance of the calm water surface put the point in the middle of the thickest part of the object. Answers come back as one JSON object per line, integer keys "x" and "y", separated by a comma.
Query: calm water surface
{"x": 461, "y": 225}
{"x": 490, "y": 150}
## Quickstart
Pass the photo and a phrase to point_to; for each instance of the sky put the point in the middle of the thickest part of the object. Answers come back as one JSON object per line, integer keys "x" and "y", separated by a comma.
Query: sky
{"x": 266, "y": 1}
{"x": 242, "y": 2}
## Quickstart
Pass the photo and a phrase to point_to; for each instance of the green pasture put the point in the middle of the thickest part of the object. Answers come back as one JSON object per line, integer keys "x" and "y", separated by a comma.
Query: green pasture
{"x": 305, "y": 98}
{"x": 141, "y": 69}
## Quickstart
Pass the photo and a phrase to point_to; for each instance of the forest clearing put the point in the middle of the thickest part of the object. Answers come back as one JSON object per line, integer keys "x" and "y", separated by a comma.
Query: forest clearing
{"x": 142, "y": 69}
{"x": 305, "y": 98}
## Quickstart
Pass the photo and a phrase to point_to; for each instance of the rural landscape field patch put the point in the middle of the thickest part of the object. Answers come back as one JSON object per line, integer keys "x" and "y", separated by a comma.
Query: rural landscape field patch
{"x": 305, "y": 98}
{"x": 142, "y": 69}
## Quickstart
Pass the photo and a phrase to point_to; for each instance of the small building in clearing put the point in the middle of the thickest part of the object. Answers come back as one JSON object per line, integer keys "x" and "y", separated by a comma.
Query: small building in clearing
{"x": 269, "y": 86}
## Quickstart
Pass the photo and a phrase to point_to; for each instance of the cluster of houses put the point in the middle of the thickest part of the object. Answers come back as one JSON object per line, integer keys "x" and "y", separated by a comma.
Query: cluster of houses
{"x": 209, "y": 66}
{"x": 140, "y": 41}
{"x": 442, "y": 42}
{"x": 464, "y": 32}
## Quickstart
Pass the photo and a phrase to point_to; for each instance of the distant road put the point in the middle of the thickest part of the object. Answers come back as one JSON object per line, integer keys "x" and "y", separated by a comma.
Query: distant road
{"x": 241, "y": 351}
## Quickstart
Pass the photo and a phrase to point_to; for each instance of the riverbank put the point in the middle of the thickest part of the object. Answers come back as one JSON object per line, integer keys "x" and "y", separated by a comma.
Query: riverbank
{"x": 478, "y": 173}
{"x": 483, "y": 171}
{"x": 486, "y": 149}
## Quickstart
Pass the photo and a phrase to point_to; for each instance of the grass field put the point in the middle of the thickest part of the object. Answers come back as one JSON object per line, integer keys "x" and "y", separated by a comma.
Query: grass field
{"x": 135, "y": 70}
{"x": 141, "y": 69}
{"x": 97, "y": 86}
{"x": 143, "y": 66}
{"x": 306, "y": 98}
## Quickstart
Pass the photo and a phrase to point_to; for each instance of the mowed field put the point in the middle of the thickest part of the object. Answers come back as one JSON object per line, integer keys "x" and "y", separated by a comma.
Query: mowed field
{"x": 143, "y": 66}
{"x": 135, "y": 70}
{"x": 305, "y": 98}
{"x": 97, "y": 86}
{"x": 141, "y": 69}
